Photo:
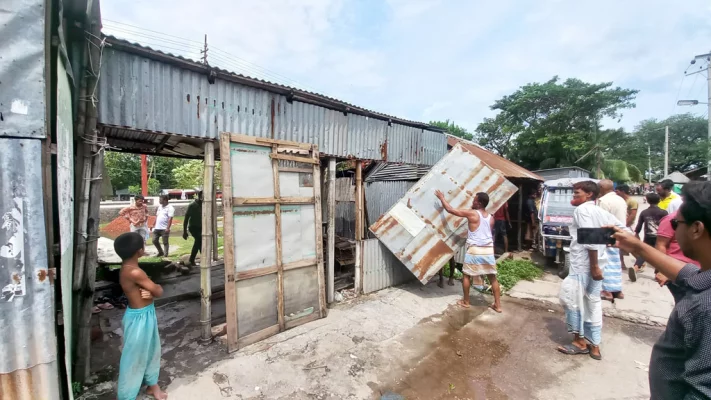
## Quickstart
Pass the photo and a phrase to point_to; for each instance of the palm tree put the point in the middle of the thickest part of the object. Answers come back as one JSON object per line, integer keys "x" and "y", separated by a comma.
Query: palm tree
{"x": 600, "y": 142}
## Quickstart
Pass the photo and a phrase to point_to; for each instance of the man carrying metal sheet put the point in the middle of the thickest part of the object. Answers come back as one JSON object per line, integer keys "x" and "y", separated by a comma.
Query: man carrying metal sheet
{"x": 479, "y": 260}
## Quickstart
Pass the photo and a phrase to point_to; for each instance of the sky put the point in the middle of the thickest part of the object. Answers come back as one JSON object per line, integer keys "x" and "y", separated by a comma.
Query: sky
{"x": 429, "y": 60}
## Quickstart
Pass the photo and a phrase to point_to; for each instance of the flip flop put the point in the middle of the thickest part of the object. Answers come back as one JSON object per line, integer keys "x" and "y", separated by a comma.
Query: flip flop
{"x": 595, "y": 357}
{"x": 632, "y": 273}
{"x": 106, "y": 306}
{"x": 95, "y": 310}
{"x": 571, "y": 350}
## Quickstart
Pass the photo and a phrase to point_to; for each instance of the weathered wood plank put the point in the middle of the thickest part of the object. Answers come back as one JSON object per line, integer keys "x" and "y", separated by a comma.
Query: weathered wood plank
{"x": 228, "y": 254}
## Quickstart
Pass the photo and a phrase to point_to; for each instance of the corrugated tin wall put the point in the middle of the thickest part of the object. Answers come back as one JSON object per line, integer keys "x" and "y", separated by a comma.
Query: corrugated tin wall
{"x": 382, "y": 195}
{"x": 380, "y": 267}
{"x": 28, "y": 345}
{"x": 145, "y": 94}
{"x": 22, "y": 65}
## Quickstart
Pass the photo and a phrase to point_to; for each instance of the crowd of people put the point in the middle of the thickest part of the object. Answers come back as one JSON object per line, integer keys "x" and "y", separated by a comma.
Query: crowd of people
{"x": 677, "y": 239}
{"x": 137, "y": 216}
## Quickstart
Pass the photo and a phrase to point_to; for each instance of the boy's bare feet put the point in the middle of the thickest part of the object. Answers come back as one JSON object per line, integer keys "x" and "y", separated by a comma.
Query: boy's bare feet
{"x": 156, "y": 392}
{"x": 463, "y": 304}
{"x": 496, "y": 308}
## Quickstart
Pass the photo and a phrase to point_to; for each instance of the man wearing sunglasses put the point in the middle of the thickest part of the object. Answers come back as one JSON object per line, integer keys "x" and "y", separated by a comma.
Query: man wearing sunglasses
{"x": 681, "y": 358}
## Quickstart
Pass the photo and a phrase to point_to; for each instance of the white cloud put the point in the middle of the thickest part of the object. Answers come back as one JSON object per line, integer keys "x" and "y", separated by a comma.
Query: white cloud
{"x": 437, "y": 59}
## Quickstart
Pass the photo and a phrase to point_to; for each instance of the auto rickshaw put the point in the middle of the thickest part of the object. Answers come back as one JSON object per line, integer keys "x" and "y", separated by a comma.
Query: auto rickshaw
{"x": 556, "y": 217}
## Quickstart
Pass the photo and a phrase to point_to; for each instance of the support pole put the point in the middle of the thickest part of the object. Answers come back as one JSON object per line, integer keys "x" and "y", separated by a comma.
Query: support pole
{"x": 359, "y": 227}
{"x": 144, "y": 175}
{"x": 359, "y": 200}
{"x": 331, "y": 228}
{"x": 206, "y": 252}
{"x": 666, "y": 151}
{"x": 520, "y": 217}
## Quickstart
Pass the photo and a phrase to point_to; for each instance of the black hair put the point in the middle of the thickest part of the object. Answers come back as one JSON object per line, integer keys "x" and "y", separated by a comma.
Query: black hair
{"x": 624, "y": 188}
{"x": 588, "y": 187}
{"x": 128, "y": 244}
{"x": 652, "y": 198}
{"x": 666, "y": 184}
{"x": 164, "y": 197}
{"x": 483, "y": 199}
{"x": 138, "y": 197}
{"x": 697, "y": 203}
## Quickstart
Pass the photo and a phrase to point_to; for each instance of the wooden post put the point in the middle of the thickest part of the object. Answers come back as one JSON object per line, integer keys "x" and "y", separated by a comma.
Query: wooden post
{"x": 228, "y": 234}
{"x": 277, "y": 233}
{"x": 359, "y": 200}
{"x": 318, "y": 214}
{"x": 208, "y": 194}
{"x": 215, "y": 250}
{"x": 359, "y": 226}
{"x": 520, "y": 217}
{"x": 331, "y": 229}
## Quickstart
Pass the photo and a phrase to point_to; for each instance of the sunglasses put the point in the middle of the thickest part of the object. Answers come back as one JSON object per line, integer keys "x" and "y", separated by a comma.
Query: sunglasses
{"x": 675, "y": 223}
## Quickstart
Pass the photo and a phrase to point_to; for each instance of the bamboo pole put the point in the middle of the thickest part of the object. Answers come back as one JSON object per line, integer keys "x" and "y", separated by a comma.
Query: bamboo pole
{"x": 359, "y": 226}
{"x": 208, "y": 194}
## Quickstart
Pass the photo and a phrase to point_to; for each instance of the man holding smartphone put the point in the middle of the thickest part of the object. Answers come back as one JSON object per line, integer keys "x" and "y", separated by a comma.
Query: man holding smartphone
{"x": 680, "y": 363}
{"x": 580, "y": 290}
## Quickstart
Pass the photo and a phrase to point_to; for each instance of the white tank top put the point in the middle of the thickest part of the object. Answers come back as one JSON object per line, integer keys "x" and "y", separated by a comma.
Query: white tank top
{"x": 482, "y": 235}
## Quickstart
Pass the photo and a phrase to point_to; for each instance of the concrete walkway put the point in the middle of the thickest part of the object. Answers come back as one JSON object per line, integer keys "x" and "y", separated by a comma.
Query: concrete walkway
{"x": 412, "y": 342}
{"x": 645, "y": 302}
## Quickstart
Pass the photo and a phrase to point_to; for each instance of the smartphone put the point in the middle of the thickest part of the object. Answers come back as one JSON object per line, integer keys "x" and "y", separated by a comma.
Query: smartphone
{"x": 602, "y": 236}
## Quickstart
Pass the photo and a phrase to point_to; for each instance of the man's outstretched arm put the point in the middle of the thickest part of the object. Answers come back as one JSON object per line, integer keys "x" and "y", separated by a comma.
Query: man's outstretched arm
{"x": 449, "y": 208}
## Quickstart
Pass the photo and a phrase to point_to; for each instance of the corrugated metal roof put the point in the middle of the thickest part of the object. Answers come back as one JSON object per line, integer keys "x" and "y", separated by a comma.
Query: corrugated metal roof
{"x": 384, "y": 171}
{"x": 508, "y": 168}
{"x": 28, "y": 366}
{"x": 419, "y": 232}
{"x": 262, "y": 84}
{"x": 144, "y": 93}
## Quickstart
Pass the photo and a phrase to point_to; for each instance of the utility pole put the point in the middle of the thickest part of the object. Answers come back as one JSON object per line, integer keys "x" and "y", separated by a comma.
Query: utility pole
{"x": 666, "y": 150}
{"x": 204, "y": 52}
{"x": 649, "y": 160}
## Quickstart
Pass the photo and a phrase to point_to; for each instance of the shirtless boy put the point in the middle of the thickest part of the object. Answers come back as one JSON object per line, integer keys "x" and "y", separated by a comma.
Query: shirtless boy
{"x": 140, "y": 357}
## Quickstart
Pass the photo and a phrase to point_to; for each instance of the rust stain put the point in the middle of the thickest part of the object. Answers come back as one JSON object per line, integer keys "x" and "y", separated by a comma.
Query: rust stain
{"x": 383, "y": 225}
{"x": 438, "y": 251}
{"x": 16, "y": 278}
{"x": 384, "y": 151}
{"x": 241, "y": 150}
{"x": 409, "y": 203}
{"x": 444, "y": 172}
{"x": 42, "y": 275}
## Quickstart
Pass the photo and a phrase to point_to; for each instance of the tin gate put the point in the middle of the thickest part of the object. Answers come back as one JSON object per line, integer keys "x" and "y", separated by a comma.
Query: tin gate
{"x": 273, "y": 241}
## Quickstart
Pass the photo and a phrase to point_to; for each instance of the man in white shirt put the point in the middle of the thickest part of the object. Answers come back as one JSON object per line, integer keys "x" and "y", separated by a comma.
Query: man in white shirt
{"x": 580, "y": 290}
{"x": 164, "y": 219}
{"x": 615, "y": 205}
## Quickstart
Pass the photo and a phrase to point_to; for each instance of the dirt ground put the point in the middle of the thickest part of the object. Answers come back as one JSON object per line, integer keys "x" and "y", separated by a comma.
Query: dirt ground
{"x": 405, "y": 342}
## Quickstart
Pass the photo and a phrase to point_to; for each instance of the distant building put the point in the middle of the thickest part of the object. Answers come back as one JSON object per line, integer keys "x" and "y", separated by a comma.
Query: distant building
{"x": 698, "y": 174}
{"x": 565, "y": 172}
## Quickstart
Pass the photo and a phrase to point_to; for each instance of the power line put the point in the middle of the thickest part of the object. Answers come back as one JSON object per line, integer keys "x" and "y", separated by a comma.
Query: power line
{"x": 188, "y": 45}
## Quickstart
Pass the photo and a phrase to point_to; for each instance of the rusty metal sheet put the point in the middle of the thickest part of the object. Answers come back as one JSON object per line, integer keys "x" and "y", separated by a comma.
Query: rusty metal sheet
{"x": 419, "y": 232}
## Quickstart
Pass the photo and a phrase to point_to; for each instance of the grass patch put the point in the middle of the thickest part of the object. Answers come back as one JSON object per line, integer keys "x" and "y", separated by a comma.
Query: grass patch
{"x": 509, "y": 272}
{"x": 179, "y": 247}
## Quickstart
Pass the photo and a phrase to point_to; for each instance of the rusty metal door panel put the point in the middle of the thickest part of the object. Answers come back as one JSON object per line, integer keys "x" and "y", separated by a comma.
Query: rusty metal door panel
{"x": 273, "y": 246}
{"x": 419, "y": 232}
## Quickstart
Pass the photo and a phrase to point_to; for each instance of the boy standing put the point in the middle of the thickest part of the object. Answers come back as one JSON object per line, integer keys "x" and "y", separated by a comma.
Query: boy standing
{"x": 140, "y": 357}
{"x": 650, "y": 219}
{"x": 164, "y": 219}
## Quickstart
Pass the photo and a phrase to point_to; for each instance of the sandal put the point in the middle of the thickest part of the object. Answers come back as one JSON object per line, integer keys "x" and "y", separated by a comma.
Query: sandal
{"x": 106, "y": 306}
{"x": 571, "y": 350}
{"x": 594, "y": 356}
{"x": 95, "y": 310}
{"x": 632, "y": 273}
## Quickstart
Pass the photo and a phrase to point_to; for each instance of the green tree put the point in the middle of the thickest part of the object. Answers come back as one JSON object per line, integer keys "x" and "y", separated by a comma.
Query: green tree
{"x": 153, "y": 188}
{"x": 124, "y": 169}
{"x": 551, "y": 123}
{"x": 190, "y": 174}
{"x": 688, "y": 142}
{"x": 453, "y": 129}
